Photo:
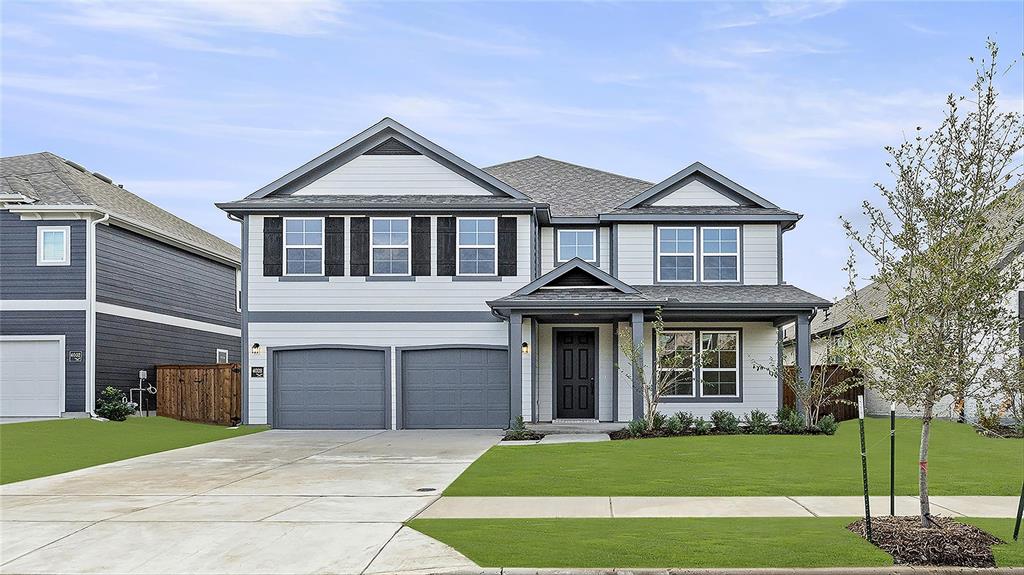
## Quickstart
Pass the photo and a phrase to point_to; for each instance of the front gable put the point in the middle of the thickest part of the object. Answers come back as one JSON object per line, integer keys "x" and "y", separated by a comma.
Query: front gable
{"x": 698, "y": 191}
{"x": 577, "y": 274}
{"x": 697, "y": 185}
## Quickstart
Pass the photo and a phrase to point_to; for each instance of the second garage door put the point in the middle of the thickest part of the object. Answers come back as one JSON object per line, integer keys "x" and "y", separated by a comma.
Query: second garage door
{"x": 31, "y": 377}
{"x": 455, "y": 388}
{"x": 330, "y": 388}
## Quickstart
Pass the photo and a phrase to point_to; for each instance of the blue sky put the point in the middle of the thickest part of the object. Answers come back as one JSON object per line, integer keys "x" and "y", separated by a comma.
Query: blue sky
{"x": 190, "y": 103}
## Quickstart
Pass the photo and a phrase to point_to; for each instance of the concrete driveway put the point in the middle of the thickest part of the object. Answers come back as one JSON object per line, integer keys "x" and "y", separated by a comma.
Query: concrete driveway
{"x": 277, "y": 502}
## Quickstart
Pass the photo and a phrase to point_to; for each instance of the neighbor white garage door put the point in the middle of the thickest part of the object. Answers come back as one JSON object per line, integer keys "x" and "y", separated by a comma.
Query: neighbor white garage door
{"x": 31, "y": 376}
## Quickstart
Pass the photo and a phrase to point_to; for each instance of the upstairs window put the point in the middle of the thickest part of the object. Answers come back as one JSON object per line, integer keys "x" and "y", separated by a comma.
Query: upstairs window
{"x": 304, "y": 246}
{"x": 719, "y": 372}
{"x": 720, "y": 254}
{"x": 577, "y": 244}
{"x": 676, "y": 364}
{"x": 389, "y": 246}
{"x": 677, "y": 257}
{"x": 53, "y": 245}
{"x": 477, "y": 247}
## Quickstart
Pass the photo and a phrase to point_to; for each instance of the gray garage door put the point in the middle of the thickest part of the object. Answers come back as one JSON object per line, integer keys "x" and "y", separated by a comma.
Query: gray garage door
{"x": 455, "y": 387}
{"x": 330, "y": 389}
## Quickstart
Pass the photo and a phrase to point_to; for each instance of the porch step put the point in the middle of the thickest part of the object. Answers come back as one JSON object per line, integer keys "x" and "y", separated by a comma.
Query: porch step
{"x": 575, "y": 427}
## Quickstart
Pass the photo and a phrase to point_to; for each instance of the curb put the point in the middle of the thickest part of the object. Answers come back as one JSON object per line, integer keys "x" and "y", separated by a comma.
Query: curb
{"x": 895, "y": 570}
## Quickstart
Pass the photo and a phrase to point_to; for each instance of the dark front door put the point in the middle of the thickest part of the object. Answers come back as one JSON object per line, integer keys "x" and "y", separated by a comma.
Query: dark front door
{"x": 574, "y": 375}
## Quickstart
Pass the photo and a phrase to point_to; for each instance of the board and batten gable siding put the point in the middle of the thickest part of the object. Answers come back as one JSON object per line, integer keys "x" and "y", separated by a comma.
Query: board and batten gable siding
{"x": 389, "y": 175}
{"x": 70, "y": 324}
{"x": 126, "y": 345}
{"x": 388, "y": 334}
{"x": 21, "y": 278}
{"x": 694, "y": 193}
{"x": 760, "y": 254}
{"x": 348, "y": 293}
{"x": 141, "y": 273}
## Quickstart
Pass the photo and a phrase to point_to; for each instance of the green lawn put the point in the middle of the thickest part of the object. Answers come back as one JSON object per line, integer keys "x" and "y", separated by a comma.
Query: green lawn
{"x": 1012, "y": 553}
{"x": 961, "y": 463}
{"x": 38, "y": 448}
{"x": 694, "y": 543}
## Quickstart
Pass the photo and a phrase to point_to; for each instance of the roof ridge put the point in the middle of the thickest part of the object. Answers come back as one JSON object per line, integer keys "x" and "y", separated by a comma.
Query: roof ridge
{"x": 563, "y": 162}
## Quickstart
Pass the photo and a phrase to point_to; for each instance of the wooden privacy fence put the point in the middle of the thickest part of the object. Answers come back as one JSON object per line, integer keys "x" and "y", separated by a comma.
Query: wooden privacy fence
{"x": 204, "y": 393}
{"x": 842, "y": 411}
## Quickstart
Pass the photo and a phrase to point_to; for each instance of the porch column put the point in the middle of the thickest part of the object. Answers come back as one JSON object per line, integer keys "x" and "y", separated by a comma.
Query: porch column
{"x": 515, "y": 365}
{"x": 803, "y": 347}
{"x": 638, "y": 339}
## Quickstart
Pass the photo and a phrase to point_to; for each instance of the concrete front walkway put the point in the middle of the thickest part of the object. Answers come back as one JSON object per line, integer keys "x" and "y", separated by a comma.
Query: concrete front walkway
{"x": 541, "y": 507}
{"x": 278, "y": 502}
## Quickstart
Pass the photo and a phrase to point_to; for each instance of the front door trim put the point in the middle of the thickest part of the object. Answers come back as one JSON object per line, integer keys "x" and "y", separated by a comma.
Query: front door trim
{"x": 556, "y": 359}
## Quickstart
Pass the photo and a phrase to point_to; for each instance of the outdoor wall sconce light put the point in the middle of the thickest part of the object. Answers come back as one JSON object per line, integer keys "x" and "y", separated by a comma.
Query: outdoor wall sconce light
{"x": 526, "y": 348}
{"x": 256, "y": 349}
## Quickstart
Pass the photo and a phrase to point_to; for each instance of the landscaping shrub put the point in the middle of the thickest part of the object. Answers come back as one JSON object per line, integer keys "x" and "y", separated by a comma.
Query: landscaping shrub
{"x": 988, "y": 418}
{"x": 637, "y": 428}
{"x": 112, "y": 405}
{"x": 758, "y": 422}
{"x": 828, "y": 424}
{"x": 701, "y": 426}
{"x": 658, "y": 421}
{"x": 725, "y": 421}
{"x": 685, "y": 419}
{"x": 793, "y": 422}
{"x": 673, "y": 426}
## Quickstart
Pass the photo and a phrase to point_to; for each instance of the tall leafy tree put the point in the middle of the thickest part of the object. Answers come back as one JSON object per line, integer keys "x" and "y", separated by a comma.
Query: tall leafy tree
{"x": 942, "y": 245}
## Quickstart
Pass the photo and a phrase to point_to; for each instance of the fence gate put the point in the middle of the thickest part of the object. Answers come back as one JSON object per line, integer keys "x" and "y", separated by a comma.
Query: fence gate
{"x": 203, "y": 393}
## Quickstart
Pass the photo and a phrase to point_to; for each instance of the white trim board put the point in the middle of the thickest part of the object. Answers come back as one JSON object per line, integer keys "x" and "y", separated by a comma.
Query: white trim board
{"x": 43, "y": 305}
{"x": 142, "y": 315}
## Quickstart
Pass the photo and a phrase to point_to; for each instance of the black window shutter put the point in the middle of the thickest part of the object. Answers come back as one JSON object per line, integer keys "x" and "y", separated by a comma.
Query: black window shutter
{"x": 507, "y": 247}
{"x": 421, "y": 246}
{"x": 273, "y": 246}
{"x": 334, "y": 246}
{"x": 446, "y": 246}
{"x": 359, "y": 238}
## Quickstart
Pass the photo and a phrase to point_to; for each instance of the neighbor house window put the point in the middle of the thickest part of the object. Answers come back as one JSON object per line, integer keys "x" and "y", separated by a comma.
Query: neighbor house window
{"x": 53, "y": 245}
{"x": 477, "y": 247}
{"x": 677, "y": 257}
{"x": 719, "y": 371}
{"x": 577, "y": 244}
{"x": 389, "y": 246}
{"x": 222, "y": 356}
{"x": 675, "y": 366}
{"x": 304, "y": 246}
{"x": 720, "y": 254}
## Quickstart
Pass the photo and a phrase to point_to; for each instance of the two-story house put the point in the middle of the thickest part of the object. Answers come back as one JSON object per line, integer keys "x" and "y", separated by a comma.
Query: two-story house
{"x": 97, "y": 284}
{"x": 389, "y": 283}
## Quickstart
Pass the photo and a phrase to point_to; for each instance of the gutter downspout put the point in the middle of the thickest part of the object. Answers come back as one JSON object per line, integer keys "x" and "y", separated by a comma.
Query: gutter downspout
{"x": 90, "y": 316}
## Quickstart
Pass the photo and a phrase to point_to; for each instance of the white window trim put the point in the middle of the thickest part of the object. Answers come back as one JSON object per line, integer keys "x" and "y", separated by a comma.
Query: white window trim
{"x": 407, "y": 247}
{"x": 735, "y": 370}
{"x": 459, "y": 246}
{"x": 693, "y": 367}
{"x": 285, "y": 246}
{"x": 703, "y": 255}
{"x": 659, "y": 253}
{"x": 558, "y": 236}
{"x": 227, "y": 356}
{"x": 66, "y": 232}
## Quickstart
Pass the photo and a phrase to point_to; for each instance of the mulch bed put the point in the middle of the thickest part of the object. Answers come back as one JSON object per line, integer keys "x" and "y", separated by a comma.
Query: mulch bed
{"x": 949, "y": 543}
{"x": 1001, "y": 431}
{"x": 526, "y": 435}
{"x": 624, "y": 433}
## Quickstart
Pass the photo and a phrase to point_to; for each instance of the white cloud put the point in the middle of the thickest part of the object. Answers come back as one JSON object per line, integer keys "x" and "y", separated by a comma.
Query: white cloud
{"x": 25, "y": 34}
{"x": 701, "y": 59}
{"x": 728, "y": 16}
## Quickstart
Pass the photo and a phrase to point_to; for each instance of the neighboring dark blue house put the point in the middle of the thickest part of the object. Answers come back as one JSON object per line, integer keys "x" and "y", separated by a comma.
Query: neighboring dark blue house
{"x": 97, "y": 284}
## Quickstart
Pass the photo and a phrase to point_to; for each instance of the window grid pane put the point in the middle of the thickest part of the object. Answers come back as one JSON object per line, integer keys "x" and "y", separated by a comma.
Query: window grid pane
{"x": 474, "y": 232}
{"x": 390, "y": 232}
{"x": 576, "y": 244}
{"x": 476, "y": 260}
{"x": 53, "y": 246}
{"x": 679, "y": 367}
{"x": 304, "y": 260}
{"x": 677, "y": 254}
{"x": 720, "y": 364}
{"x": 391, "y": 261}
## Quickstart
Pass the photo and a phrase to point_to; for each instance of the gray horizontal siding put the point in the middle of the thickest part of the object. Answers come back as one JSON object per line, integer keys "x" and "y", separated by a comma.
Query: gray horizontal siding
{"x": 124, "y": 346}
{"x": 70, "y": 324}
{"x": 21, "y": 278}
{"x": 139, "y": 272}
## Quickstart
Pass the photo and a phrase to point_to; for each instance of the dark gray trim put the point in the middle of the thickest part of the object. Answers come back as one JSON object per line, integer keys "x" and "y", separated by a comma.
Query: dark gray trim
{"x": 615, "y": 371}
{"x": 803, "y": 345}
{"x": 698, "y": 396}
{"x": 272, "y": 391}
{"x": 534, "y": 369}
{"x": 477, "y": 278}
{"x": 453, "y": 346}
{"x": 244, "y": 304}
{"x": 698, "y": 263}
{"x": 779, "y": 363}
{"x": 535, "y": 251}
{"x": 299, "y": 209}
{"x": 750, "y": 218}
{"x": 637, "y": 326}
{"x": 372, "y": 317}
{"x": 556, "y": 357}
{"x": 303, "y": 279}
{"x": 671, "y": 183}
{"x": 574, "y": 264}
{"x": 390, "y": 278}
{"x": 613, "y": 249}
{"x": 369, "y": 139}
{"x": 597, "y": 244}
{"x": 779, "y": 246}
{"x": 574, "y": 221}
{"x": 515, "y": 368}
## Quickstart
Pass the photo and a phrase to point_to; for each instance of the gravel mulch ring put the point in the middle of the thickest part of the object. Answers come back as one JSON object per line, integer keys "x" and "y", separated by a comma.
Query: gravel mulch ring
{"x": 950, "y": 543}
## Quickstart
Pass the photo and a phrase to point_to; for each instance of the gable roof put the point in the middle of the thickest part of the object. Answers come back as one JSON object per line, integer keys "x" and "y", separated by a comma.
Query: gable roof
{"x": 572, "y": 266}
{"x": 369, "y": 139}
{"x": 46, "y": 179}
{"x": 570, "y": 189}
{"x": 723, "y": 183}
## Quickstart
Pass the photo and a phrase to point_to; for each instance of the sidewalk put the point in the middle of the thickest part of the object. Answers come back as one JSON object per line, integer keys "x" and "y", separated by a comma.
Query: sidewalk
{"x": 554, "y": 507}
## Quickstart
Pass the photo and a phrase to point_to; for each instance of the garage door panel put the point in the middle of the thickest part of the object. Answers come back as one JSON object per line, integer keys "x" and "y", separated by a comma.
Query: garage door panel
{"x": 330, "y": 388}
{"x": 455, "y": 387}
{"x": 31, "y": 378}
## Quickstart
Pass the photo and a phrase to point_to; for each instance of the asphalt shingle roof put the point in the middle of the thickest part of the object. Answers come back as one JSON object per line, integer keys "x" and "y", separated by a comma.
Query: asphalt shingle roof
{"x": 379, "y": 200}
{"x": 767, "y": 295}
{"x": 702, "y": 210}
{"x": 51, "y": 180}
